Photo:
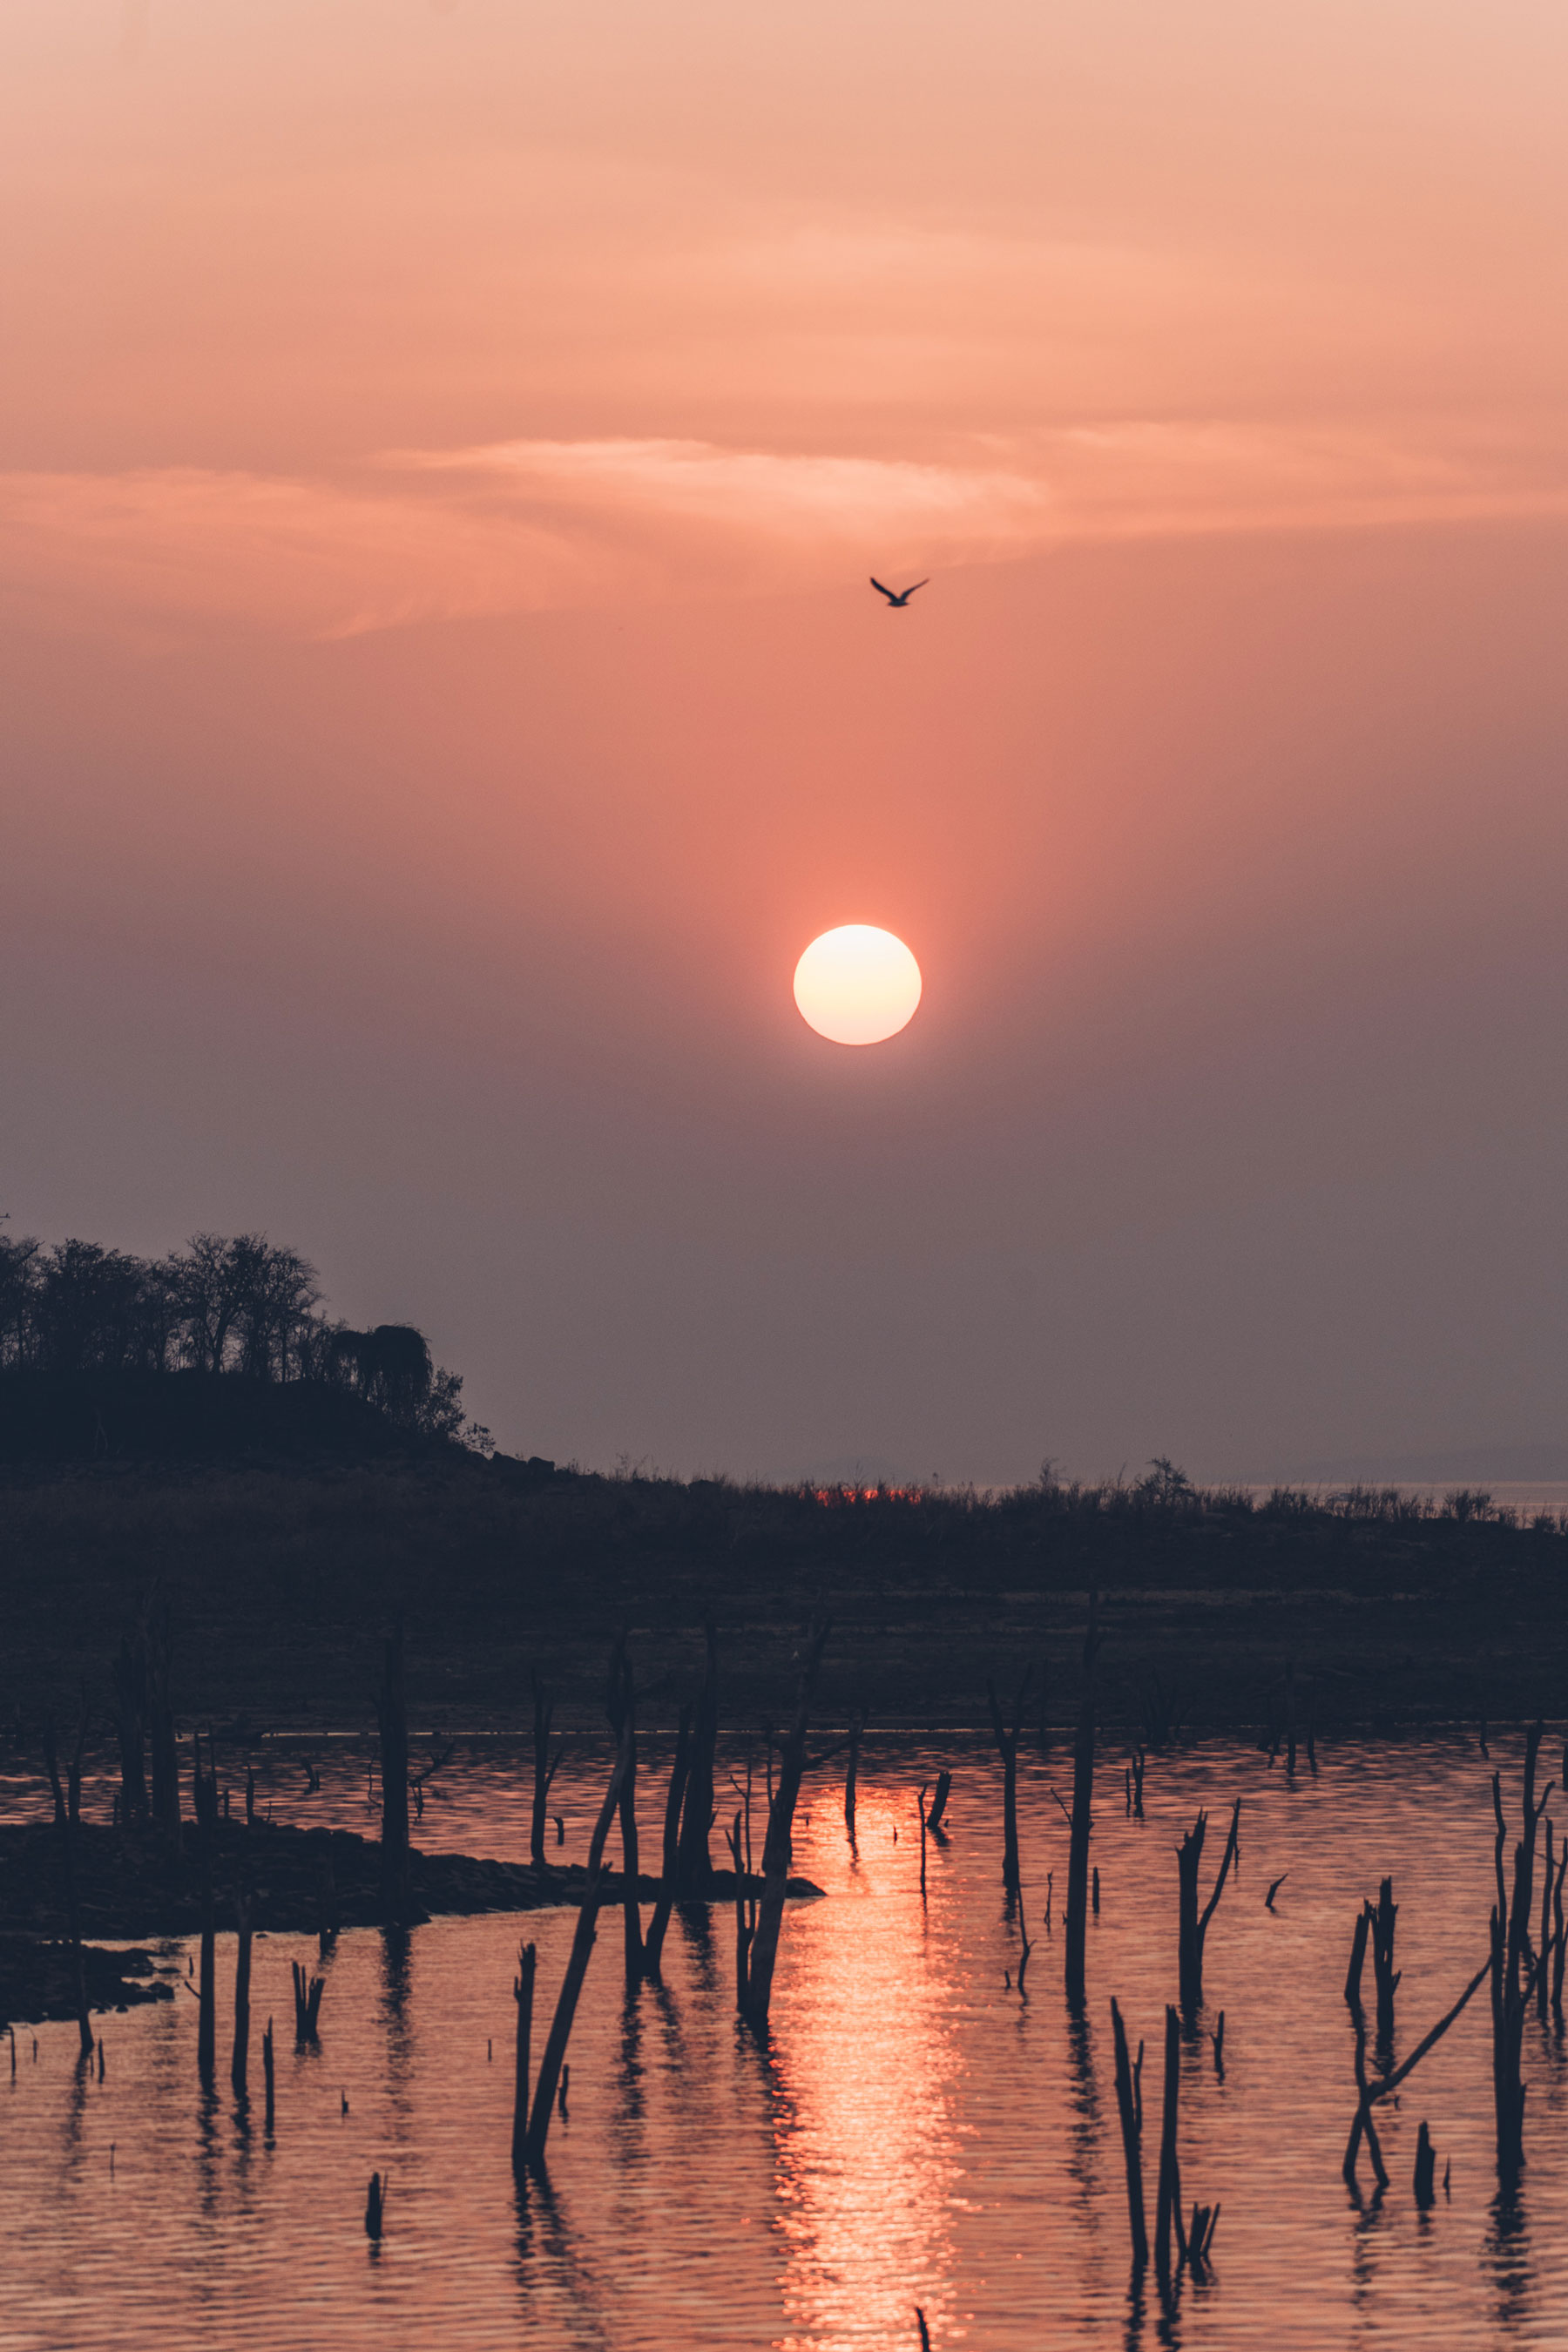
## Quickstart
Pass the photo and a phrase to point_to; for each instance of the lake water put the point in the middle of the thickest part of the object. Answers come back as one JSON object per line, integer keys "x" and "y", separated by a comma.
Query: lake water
{"x": 915, "y": 2132}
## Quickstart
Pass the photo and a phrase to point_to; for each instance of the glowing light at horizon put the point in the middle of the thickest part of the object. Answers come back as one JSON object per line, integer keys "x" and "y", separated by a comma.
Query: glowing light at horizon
{"x": 858, "y": 985}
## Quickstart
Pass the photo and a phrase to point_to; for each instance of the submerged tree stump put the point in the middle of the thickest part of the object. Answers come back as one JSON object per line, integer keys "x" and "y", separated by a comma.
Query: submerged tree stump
{"x": 696, "y": 1868}
{"x": 777, "y": 1846}
{"x": 652, "y": 1952}
{"x": 522, "y": 1993}
{"x": 1082, "y": 1817}
{"x": 1380, "y": 1919}
{"x": 545, "y": 1768}
{"x": 1007, "y": 1749}
{"x": 622, "y": 1711}
{"x": 1513, "y": 1969}
{"x": 555, "y": 2058}
{"x": 1130, "y": 2108}
{"x": 239, "y": 2065}
{"x": 1193, "y": 1927}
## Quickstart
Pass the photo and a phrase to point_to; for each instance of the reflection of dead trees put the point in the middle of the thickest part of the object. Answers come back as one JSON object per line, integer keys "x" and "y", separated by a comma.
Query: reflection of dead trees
{"x": 653, "y": 1953}
{"x": 738, "y": 1837}
{"x": 1559, "y": 1937}
{"x": 1168, "y": 2196}
{"x": 1081, "y": 1824}
{"x": 1007, "y": 1749}
{"x": 545, "y": 1768}
{"x": 852, "y": 1771}
{"x": 67, "y": 1820}
{"x": 1134, "y": 1778}
{"x": 239, "y": 2065}
{"x": 203, "y": 1792}
{"x": 777, "y": 1845}
{"x": 621, "y": 1709}
{"x": 392, "y": 1716}
{"x": 1192, "y": 1928}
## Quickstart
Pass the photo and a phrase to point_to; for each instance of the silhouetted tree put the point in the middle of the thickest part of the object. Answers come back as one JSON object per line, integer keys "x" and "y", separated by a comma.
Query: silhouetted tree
{"x": 239, "y": 1303}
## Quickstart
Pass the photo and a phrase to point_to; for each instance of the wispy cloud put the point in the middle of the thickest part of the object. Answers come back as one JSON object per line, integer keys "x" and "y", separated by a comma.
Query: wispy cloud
{"x": 520, "y": 526}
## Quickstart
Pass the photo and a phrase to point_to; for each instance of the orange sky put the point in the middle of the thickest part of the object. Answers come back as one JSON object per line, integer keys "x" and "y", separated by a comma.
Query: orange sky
{"x": 442, "y": 448}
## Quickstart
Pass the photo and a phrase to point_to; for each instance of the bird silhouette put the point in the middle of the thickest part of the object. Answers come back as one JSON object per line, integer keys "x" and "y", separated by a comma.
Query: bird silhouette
{"x": 899, "y": 602}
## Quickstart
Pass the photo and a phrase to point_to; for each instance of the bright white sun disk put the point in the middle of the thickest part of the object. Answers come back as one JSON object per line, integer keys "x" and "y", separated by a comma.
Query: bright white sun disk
{"x": 856, "y": 985}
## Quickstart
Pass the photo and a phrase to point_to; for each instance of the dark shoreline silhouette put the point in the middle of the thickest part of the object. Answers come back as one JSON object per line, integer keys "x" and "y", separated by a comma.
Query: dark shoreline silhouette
{"x": 1368, "y": 1611}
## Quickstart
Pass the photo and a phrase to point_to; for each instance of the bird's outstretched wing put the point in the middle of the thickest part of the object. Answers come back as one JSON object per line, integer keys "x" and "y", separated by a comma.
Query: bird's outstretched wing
{"x": 919, "y": 583}
{"x": 886, "y": 592}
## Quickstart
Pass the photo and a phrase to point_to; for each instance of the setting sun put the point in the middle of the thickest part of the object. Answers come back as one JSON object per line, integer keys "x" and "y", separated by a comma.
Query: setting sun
{"x": 858, "y": 985}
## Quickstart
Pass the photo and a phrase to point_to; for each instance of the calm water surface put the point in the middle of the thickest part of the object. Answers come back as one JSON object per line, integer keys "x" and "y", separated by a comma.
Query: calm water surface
{"x": 915, "y": 2131}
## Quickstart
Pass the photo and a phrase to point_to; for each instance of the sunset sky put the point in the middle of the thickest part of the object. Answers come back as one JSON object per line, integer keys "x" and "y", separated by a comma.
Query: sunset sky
{"x": 443, "y": 447}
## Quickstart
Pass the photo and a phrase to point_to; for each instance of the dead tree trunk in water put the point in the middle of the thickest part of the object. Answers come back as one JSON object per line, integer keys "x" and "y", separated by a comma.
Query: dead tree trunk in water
{"x": 1381, "y": 1918}
{"x": 66, "y": 1829}
{"x": 1129, "y": 2106}
{"x": 1542, "y": 1985}
{"x": 307, "y": 1991}
{"x": 545, "y": 1768}
{"x": 745, "y": 1903}
{"x": 621, "y": 1709}
{"x": 204, "y": 1796}
{"x": 571, "y": 1983}
{"x": 654, "y": 1954}
{"x": 522, "y": 1993}
{"x": 852, "y": 1772}
{"x": 1368, "y": 2096}
{"x": 1168, "y": 2205}
{"x": 130, "y": 1724}
{"x": 777, "y": 1845}
{"x": 696, "y": 1869}
{"x": 1082, "y": 1819}
{"x": 1192, "y": 1929}
{"x": 1358, "y": 1958}
{"x": 392, "y": 1714}
{"x": 1007, "y": 1749}
{"x": 239, "y": 2068}
{"x": 939, "y": 1803}
{"x": 1512, "y": 1975}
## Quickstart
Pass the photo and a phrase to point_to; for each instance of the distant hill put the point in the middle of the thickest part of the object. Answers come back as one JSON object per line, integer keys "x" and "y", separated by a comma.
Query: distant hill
{"x": 188, "y": 1416}
{"x": 1453, "y": 1466}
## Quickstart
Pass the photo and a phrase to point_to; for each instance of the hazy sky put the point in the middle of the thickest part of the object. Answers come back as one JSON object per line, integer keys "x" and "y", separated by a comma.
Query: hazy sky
{"x": 443, "y": 444}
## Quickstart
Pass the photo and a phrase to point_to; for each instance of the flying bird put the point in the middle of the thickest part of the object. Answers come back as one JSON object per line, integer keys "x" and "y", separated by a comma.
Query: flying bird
{"x": 897, "y": 603}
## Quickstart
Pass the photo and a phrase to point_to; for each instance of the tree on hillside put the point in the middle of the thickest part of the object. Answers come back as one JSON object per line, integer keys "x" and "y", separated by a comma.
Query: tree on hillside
{"x": 222, "y": 1306}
